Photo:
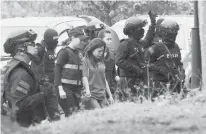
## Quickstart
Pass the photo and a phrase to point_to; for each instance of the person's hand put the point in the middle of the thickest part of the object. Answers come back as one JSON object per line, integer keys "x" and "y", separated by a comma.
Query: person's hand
{"x": 117, "y": 78}
{"x": 152, "y": 17}
{"x": 87, "y": 94}
{"x": 62, "y": 93}
{"x": 111, "y": 100}
{"x": 46, "y": 88}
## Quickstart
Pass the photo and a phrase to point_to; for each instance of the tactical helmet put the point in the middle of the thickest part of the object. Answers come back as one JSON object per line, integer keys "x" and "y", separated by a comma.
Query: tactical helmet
{"x": 169, "y": 26}
{"x": 18, "y": 37}
{"x": 168, "y": 30}
{"x": 134, "y": 22}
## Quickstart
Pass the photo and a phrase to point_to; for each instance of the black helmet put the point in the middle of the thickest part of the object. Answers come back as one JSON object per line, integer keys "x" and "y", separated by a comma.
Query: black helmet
{"x": 19, "y": 37}
{"x": 168, "y": 30}
{"x": 169, "y": 26}
{"x": 134, "y": 22}
{"x": 93, "y": 28}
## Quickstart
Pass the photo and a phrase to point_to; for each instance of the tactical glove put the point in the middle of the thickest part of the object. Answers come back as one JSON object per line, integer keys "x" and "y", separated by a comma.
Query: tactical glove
{"x": 46, "y": 88}
{"x": 152, "y": 17}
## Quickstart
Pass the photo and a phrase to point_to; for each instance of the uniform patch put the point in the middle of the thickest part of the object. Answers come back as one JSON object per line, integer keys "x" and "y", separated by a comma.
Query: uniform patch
{"x": 51, "y": 57}
{"x": 136, "y": 49}
{"x": 22, "y": 90}
{"x": 24, "y": 84}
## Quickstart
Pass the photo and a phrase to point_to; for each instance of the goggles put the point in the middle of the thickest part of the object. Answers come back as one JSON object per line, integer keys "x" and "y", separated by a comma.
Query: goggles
{"x": 96, "y": 27}
{"x": 137, "y": 26}
{"x": 169, "y": 30}
{"x": 29, "y": 35}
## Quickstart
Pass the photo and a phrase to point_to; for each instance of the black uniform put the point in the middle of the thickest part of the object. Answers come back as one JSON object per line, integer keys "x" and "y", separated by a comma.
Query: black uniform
{"x": 165, "y": 65}
{"x": 46, "y": 68}
{"x": 130, "y": 58}
{"x": 22, "y": 94}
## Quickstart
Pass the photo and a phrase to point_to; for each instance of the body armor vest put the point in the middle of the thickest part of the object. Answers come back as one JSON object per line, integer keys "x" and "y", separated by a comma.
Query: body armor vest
{"x": 72, "y": 71}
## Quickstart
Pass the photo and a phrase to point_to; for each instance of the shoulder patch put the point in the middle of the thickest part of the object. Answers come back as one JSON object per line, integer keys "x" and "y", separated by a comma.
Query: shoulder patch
{"x": 24, "y": 84}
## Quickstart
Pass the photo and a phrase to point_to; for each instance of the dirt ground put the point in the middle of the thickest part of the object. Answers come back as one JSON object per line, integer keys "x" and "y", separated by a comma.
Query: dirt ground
{"x": 168, "y": 116}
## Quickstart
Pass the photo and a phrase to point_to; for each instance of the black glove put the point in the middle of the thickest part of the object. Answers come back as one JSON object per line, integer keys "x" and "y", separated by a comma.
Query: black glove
{"x": 46, "y": 88}
{"x": 152, "y": 17}
{"x": 138, "y": 71}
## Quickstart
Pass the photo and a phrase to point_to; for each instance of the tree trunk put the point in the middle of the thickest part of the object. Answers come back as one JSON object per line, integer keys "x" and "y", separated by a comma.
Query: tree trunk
{"x": 202, "y": 26}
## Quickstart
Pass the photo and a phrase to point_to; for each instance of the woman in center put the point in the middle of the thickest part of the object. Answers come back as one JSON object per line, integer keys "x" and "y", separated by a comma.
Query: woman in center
{"x": 94, "y": 79}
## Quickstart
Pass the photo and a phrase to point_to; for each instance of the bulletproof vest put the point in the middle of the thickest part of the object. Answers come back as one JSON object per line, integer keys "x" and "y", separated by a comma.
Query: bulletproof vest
{"x": 171, "y": 56}
{"x": 49, "y": 63}
{"x": 135, "y": 56}
{"x": 5, "y": 72}
{"x": 136, "y": 51}
{"x": 72, "y": 71}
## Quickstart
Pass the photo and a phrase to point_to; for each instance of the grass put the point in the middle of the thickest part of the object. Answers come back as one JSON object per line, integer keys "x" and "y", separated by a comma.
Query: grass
{"x": 165, "y": 116}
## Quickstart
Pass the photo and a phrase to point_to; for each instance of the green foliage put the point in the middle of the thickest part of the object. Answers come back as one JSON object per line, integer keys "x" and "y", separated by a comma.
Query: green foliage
{"x": 107, "y": 11}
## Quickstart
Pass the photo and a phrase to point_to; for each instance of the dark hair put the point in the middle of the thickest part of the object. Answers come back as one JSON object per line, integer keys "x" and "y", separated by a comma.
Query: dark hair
{"x": 102, "y": 33}
{"x": 94, "y": 44}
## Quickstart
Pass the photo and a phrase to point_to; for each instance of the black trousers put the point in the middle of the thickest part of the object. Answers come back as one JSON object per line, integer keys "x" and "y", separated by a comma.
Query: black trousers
{"x": 71, "y": 103}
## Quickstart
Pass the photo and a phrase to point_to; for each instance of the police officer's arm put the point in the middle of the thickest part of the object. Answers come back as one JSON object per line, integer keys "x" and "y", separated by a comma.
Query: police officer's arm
{"x": 21, "y": 84}
{"x": 181, "y": 68}
{"x": 120, "y": 59}
{"x": 61, "y": 60}
{"x": 149, "y": 36}
{"x": 151, "y": 31}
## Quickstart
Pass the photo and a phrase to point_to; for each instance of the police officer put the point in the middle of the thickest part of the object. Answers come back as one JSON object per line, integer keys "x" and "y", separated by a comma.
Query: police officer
{"x": 23, "y": 100}
{"x": 68, "y": 71}
{"x": 130, "y": 53}
{"x": 45, "y": 70}
{"x": 165, "y": 58}
{"x": 50, "y": 42}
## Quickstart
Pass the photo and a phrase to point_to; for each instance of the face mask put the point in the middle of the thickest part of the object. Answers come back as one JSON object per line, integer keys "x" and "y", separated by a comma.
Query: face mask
{"x": 138, "y": 34}
{"x": 52, "y": 44}
{"x": 169, "y": 40}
